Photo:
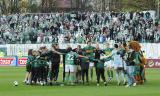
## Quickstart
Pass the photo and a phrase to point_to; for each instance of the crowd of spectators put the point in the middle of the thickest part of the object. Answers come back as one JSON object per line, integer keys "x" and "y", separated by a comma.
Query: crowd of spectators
{"x": 78, "y": 27}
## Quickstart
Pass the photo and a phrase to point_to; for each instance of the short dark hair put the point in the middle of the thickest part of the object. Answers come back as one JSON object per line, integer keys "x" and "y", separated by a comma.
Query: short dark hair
{"x": 30, "y": 52}
{"x": 124, "y": 44}
{"x": 54, "y": 44}
{"x": 79, "y": 46}
{"x": 69, "y": 49}
{"x": 115, "y": 45}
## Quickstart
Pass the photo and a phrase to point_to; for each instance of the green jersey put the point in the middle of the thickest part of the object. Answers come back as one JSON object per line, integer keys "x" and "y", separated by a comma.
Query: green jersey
{"x": 89, "y": 50}
{"x": 84, "y": 60}
{"x": 36, "y": 63}
{"x": 107, "y": 52}
{"x": 43, "y": 61}
{"x": 137, "y": 58}
{"x": 70, "y": 58}
{"x": 29, "y": 60}
{"x": 99, "y": 63}
{"x": 29, "y": 63}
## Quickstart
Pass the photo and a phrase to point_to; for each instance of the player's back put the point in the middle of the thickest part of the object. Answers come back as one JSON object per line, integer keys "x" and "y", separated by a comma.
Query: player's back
{"x": 70, "y": 58}
{"x": 116, "y": 57}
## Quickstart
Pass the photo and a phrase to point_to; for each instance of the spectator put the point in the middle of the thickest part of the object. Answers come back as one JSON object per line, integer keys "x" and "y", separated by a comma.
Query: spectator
{"x": 79, "y": 27}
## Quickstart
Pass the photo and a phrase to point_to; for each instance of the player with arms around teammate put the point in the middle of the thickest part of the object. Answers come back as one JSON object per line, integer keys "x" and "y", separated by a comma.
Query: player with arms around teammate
{"x": 36, "y": 67}
{"x": 100, "y": 70}
{"x": 28, "y": 66}
{"x": 78, "y": 50}
{"x": 84, "y": 68}
{"x": 109, "y": 61}
{"x": 99, "y": 65}
{"x": 89, "y": 51}
{"x": 70, "y": 66}
{"x": 118, "y": 64}
{"x": 44, "y": 66}
{"x": 54, "y": 58}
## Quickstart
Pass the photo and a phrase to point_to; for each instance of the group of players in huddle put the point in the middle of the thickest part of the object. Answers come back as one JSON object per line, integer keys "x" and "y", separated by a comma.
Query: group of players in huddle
{"x": 43, "y": 65}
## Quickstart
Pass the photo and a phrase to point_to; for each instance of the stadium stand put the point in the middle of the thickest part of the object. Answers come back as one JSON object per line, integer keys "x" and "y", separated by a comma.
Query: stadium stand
{"x": 77, "y": 27}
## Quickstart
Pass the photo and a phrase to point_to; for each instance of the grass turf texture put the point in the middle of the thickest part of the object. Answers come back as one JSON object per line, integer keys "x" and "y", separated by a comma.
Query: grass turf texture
{"x": 9, "y": 74}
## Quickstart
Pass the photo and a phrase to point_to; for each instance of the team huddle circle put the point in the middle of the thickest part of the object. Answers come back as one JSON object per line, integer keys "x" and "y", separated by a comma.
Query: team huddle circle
{"x": 125, "y": 59}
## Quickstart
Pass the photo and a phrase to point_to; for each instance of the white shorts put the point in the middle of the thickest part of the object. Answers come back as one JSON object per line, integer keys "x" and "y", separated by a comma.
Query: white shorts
{"x": 108, "y": 64}
{"x": 116, "y": 66}
{"x": 125, "y": 66}
{"x": 91, "y": 64}
{"x": 70, "y": 68}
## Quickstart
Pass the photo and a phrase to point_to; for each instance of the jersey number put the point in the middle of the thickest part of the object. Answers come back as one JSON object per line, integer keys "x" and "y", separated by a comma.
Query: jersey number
{"x": 70, "y": 57}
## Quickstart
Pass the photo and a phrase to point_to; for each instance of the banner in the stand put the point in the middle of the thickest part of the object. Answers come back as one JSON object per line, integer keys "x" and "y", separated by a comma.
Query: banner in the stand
{"x": 153, "y": 63}
{"x": 22, "y": 61}
{"x": 15, "y": 61}
{"x": 8, "y": 61}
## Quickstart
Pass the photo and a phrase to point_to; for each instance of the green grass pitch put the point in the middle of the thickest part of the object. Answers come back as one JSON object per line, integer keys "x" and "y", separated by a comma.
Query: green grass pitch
{"x": 9, "y": 74}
